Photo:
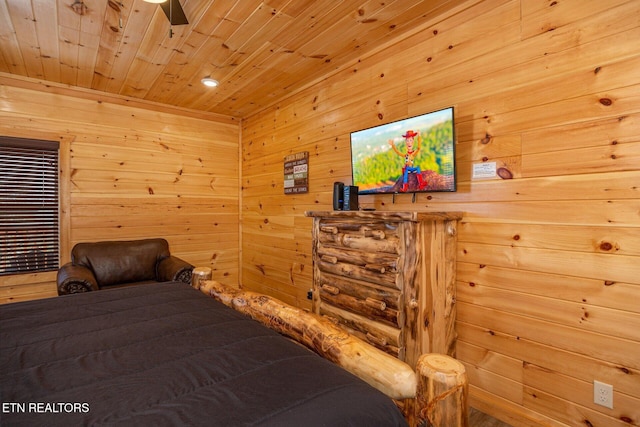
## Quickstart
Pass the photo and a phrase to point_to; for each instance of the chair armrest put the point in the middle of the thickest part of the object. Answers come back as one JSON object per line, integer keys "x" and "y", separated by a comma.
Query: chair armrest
{"x": 73, "y": 279}
{"x": 173, "y": 268}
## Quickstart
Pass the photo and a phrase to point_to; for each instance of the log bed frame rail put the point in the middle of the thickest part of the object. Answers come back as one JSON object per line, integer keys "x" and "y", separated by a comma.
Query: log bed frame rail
{"x": 434, "y": 395}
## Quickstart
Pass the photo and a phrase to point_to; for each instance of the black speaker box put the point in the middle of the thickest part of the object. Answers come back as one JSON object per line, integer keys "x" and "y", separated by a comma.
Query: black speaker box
{"x": 338, "y": 194}
{"x": 350, "y": 198}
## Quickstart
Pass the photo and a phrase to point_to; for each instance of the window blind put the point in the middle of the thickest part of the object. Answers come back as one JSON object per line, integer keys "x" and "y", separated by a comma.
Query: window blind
{"x": 29, "y": 220}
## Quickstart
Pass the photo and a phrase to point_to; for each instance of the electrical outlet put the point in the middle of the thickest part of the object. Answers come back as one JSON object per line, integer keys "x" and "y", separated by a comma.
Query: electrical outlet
{"x": 603, "y": 394}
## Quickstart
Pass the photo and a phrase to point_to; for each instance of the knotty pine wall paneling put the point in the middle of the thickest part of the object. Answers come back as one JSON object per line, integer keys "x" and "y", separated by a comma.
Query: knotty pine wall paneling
{"x": 548, "y": 263}
{"x": 133, "y": 172}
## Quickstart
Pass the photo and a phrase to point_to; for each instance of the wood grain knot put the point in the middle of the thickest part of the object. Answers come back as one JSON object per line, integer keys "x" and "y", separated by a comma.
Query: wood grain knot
{"x": 606, "y": 246}
{"x": 504, "y": 173}
{"x": 624, "y": 370}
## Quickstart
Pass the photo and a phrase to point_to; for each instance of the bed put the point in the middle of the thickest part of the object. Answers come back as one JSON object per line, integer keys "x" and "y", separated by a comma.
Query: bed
{"x": 167, "y": 354}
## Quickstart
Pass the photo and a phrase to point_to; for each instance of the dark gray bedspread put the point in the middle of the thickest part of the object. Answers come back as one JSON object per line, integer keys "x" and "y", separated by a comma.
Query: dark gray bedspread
{"x": 166, "y": 354}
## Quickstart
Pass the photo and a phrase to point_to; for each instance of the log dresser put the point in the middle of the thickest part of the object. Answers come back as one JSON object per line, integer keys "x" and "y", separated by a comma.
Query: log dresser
{"x": 388, "y": 278}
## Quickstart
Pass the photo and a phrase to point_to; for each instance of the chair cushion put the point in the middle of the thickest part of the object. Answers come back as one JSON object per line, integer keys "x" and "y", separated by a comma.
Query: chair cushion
{"x": 120, "y": 262}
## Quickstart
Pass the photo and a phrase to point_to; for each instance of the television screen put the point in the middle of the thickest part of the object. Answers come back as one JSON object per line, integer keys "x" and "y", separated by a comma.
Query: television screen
{"x": 406, "y": 156}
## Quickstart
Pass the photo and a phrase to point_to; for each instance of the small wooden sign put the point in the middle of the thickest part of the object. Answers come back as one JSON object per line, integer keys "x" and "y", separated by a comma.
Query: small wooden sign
{"x": 296, "y": 173}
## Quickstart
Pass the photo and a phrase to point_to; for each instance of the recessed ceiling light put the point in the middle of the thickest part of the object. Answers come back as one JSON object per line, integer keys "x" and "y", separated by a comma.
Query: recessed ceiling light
{"x": 208, "y": 81}
{"x": 155, "y": 1}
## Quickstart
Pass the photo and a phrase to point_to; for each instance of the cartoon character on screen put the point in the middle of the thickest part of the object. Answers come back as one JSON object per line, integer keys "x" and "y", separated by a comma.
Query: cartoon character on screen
{"x": 409, "y": 156}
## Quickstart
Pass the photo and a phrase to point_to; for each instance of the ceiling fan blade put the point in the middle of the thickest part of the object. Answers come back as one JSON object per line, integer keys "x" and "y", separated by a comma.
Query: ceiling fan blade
{"x": 174, "y": 12}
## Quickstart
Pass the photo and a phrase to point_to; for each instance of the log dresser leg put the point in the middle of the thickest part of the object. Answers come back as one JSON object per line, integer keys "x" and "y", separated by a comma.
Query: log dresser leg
{"x": 441, "y": 398}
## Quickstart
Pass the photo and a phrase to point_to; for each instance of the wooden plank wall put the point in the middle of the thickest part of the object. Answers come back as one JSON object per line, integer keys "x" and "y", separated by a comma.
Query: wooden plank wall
{"x": 548, "y": 262}
{"x": 133, "y": 172}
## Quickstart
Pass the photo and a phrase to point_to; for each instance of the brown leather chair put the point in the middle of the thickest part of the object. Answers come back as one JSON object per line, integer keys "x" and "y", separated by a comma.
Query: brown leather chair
{"x": 102, "y": 265}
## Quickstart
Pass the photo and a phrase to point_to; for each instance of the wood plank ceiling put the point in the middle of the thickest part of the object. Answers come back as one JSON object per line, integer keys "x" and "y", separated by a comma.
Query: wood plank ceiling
{"x": 259, "y": 51}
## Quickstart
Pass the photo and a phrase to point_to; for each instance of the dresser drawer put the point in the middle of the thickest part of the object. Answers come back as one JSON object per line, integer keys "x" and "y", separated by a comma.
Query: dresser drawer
{"x": 359, "y": 265}
{"x": 357, "y": 289}
{"x": 385, "y": 337}
{"x": 372, "y": 237}
{"x": 373, "y": 302}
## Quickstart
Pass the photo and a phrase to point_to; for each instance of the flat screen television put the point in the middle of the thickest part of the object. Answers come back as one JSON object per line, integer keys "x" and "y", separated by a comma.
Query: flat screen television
{"x": 406, "y": 156}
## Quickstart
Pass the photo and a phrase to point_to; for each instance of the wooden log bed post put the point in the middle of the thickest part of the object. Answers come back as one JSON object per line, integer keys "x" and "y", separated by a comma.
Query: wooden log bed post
{"x": 438, "y": 390}
{"x": 441, "y": 397}
{"x": 200, "y": 274}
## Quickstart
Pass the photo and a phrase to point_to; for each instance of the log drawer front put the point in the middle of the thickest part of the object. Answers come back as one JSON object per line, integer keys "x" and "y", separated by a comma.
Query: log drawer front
{"x": 374, "y": 276}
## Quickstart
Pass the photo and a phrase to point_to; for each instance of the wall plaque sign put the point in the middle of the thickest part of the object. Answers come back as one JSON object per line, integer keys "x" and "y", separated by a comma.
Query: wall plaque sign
{"x": 296, "y": 173}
